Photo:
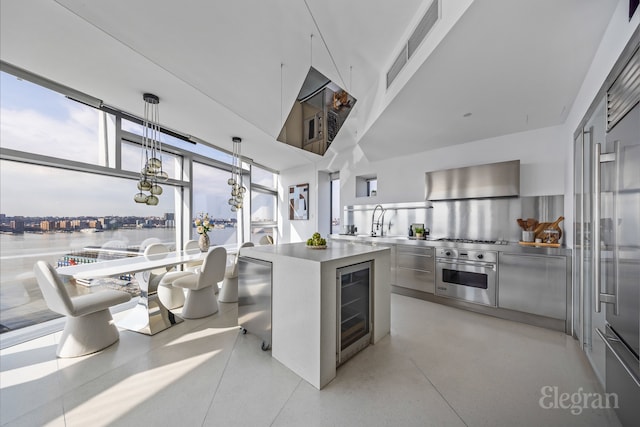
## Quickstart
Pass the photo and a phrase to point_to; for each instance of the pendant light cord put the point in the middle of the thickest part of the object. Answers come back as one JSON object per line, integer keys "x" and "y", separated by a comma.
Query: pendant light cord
{"x": 315, "y": 23}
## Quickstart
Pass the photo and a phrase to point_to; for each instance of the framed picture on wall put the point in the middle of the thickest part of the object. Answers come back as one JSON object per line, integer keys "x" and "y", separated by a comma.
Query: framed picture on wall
{"x": 299, "y": 201}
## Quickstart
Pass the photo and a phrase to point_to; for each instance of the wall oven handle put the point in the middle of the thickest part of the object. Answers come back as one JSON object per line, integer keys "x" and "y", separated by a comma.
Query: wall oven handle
{"x": 599, "y": 297}
{"x": 468, "y": 263}
{"x": 607, "y": 341}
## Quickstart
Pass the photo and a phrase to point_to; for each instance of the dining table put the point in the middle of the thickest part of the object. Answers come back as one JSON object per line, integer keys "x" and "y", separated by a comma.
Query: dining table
{"x": 149, "y": 316}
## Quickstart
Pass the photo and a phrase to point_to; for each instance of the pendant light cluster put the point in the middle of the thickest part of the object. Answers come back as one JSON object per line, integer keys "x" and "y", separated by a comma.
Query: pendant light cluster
{"x": 151, "y": 155}
{"x": 237, "y": 188}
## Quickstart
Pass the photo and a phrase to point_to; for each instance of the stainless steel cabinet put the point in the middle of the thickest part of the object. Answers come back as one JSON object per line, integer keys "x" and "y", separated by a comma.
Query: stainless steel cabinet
{"x": 254, "y": 298}
{"x": 415, "y": 268}
{"x": 533, "y": 284}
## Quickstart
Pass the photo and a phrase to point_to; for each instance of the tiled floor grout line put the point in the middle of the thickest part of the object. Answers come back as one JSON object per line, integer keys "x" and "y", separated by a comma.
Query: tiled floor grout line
{"x": 224, "y": 370}
{"x": 286, "y": 401}
{"x": 436, "y": 389}
{"x": 59, "y": 381}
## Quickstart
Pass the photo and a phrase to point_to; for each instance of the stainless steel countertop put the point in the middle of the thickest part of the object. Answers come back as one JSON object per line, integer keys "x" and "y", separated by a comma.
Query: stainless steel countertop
{"x": 511, "y": 247}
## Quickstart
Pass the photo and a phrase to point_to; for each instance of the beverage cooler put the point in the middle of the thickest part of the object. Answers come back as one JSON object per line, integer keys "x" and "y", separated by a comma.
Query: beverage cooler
{"x": 353, "y": 310}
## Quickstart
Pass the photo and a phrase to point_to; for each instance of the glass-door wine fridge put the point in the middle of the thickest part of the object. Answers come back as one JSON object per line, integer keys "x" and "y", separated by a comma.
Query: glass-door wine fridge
{"x": 353, "y": 310}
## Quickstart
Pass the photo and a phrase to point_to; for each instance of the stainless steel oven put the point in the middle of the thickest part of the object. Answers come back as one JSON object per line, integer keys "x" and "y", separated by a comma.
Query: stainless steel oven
{"x": 468, "y": 275}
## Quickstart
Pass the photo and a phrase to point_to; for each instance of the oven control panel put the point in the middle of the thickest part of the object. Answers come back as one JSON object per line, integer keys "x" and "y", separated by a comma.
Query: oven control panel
{"x": 468, "y": 255}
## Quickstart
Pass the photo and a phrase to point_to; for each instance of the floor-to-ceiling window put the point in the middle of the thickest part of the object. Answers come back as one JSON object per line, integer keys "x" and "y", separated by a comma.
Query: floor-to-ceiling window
{"x": 210, "y": 196}
{"x": 69, "y": 172}
{"x": 66, "y": 193}
{"x": 65, "y": 216}
{"x": 264, "y": 205}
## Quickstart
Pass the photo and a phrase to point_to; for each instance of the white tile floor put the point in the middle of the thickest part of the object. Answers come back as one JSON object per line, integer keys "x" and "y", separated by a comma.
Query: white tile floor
{"x": 440, "y": 366}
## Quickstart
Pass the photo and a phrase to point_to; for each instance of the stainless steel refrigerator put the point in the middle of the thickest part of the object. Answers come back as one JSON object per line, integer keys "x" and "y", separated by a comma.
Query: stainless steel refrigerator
{"x": 607, "y": 237}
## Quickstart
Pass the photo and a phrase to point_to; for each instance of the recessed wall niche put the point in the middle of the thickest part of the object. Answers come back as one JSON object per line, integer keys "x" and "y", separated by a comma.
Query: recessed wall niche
{"x": 366, "y": 186}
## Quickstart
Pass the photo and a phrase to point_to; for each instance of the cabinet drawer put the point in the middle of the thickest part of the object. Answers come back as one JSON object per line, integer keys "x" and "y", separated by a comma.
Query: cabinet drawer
{"x": 415, "y": 261}
{"x": 420, "y": 280}
{"x": 415, "y": 250}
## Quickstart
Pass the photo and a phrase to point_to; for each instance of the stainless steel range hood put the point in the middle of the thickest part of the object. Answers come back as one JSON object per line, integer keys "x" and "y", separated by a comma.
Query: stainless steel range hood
{"x": 317, "y": 115}
{"x": 474, "y": 182}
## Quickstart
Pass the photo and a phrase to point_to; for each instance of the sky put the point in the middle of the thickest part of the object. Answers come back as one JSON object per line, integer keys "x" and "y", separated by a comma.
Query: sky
{"x": 41, "y": 121}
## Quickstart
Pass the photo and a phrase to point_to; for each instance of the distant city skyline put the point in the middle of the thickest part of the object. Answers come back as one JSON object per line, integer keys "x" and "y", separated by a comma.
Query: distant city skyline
{"x": 21, "y": 224}
{"x": 85, "y": 217}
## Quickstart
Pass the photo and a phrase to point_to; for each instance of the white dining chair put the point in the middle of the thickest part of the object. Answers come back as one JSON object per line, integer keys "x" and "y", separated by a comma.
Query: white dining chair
{"x": 266, "y": 240}
{"x": 89, "y": 325}
{"x": 153, "y": 277}
{"x": 201, "y": 298}
{"x": 111, "y": 248}
{"x": 229, "y": 291}
{"x": 170, "y": 296}
{"x": 148, "y": 242}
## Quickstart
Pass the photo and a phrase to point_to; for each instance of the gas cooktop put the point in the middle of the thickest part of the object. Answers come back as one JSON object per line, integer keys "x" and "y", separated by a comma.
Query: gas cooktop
{"x": 488, "y": 242}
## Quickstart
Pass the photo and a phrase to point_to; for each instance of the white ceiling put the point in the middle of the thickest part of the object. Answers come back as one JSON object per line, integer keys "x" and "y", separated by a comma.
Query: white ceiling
{"x": 234, "y": 68}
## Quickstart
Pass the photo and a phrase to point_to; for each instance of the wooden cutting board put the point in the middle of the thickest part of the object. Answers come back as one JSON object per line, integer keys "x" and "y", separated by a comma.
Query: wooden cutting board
{"x": 540, "y": 234}
{"x": 541, "y": 245}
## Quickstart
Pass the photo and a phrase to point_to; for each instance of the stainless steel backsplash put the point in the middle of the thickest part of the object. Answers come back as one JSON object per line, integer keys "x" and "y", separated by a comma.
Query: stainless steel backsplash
{"x": 483, "y": 219}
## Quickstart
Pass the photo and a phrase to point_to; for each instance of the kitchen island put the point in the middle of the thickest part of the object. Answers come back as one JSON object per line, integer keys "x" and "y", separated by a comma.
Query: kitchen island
{"x": 304, "y": 302}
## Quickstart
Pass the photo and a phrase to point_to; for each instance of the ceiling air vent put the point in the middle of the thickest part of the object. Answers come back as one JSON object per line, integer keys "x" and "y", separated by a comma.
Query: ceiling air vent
{"x": 419, "y": 34}
{"x": 397, "y": 66}
{"x": 624, "y": 93}
{"x": 423, "y": 28}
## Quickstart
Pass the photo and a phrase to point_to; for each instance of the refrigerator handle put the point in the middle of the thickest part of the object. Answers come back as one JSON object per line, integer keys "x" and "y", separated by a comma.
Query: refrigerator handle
{"x": 595, "y": 232}
{"x": 585, "y": 337}
{"x": 338, "y": 314}
{"x": 599, "y": 297}
{"x": 616, "y": 253}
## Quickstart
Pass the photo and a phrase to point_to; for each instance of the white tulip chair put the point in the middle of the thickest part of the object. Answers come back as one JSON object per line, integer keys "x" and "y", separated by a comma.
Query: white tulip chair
{"x": 229, "y": 291}
{"x": 201, "y": 298}
{"x": 170, "y": 296}
{"x": 89, "y": 325}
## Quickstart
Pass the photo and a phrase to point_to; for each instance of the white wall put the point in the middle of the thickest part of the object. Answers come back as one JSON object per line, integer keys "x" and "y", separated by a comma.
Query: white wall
{"x": 298, "y": 230}
{"x": 323, "y": 213}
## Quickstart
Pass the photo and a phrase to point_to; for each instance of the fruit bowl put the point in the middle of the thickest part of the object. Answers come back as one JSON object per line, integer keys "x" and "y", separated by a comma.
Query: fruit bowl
{"x": 316, "y": 242}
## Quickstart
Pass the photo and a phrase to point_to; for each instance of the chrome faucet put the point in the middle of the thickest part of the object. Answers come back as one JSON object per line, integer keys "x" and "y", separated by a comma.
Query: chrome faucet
{"x": 379, "y": 224}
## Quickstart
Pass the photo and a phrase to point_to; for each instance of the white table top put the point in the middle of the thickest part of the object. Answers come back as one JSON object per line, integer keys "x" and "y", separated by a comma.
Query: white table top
{"x": 135, "y": 264}
{"x": 130, "y": 264}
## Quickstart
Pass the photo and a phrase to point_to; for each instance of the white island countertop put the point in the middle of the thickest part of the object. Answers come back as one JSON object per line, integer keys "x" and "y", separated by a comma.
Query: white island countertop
{"x": 334, "y": 251}
{"x": 304, "y": 302}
